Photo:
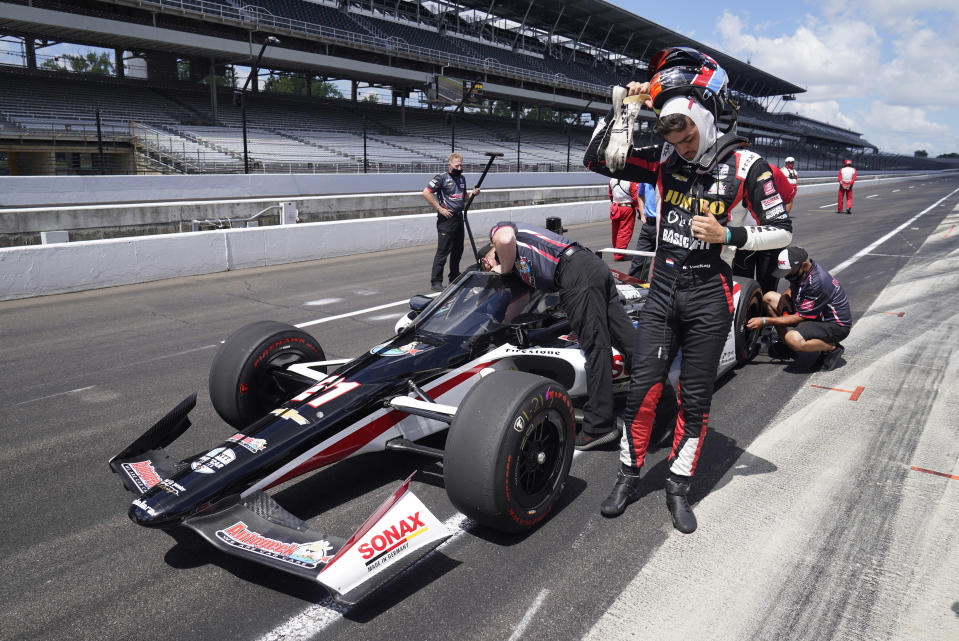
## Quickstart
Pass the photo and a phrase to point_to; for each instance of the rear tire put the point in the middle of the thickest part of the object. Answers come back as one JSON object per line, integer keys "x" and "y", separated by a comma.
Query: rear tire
{"x": 509, "y": 450}
{"x": 243, "y": 385}
{"x": 747, "y": 341}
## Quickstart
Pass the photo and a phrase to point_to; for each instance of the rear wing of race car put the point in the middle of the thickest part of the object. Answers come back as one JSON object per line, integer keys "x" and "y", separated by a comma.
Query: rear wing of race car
{"x": 400, "y": 532}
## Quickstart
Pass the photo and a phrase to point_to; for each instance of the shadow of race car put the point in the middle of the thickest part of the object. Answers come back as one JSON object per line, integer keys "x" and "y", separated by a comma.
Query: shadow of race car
{"x": 490, "y": 360}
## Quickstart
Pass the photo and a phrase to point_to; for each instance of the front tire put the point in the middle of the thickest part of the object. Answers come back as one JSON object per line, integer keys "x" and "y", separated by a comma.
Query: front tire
{"x": 244, "y": 385}
{"x": 509, "y": 450}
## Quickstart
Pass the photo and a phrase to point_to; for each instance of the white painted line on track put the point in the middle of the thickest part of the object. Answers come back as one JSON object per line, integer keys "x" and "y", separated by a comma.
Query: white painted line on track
{"x": 867, "y": 250}
{"x": 359, "y": 312}
{"x": 382, "y": 317}
{"x": 528, "y": 617}
{"x": 43, "y": 398}
{"x": 322, "y": 301}
{"x": 826, "y": 205}
{"x": 873, "y": 196}
{"x": 895, "y": 190}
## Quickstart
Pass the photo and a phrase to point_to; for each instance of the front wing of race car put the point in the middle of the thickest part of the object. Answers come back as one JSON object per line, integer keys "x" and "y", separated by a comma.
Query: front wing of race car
{"x": 256, "y": 528}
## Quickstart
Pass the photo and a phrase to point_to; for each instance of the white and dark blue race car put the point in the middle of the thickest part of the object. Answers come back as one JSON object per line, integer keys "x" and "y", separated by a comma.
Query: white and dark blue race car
{"x": 489, "y": 360}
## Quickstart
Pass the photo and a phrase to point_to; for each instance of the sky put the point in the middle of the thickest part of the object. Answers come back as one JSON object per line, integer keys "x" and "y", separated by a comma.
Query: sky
{"x": 888, "y": 69}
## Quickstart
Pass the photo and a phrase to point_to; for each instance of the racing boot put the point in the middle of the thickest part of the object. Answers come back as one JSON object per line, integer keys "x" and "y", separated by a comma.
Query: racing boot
{"x": 624, "y": 492}
{"x": 621, "y": 131}
{"x": 676, "y": 488}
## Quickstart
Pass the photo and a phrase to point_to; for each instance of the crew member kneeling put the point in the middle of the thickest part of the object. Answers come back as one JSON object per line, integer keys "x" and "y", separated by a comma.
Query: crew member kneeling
{"x": 811, "y": 316}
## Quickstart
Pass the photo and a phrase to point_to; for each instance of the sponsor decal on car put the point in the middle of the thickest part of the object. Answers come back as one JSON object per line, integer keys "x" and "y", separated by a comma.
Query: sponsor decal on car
{"x": 143, "y": 505}
{"x": 306, "y": 555}
{"x": 289, "y": 414}
{"x": 391, "y": 541}
{"x": 533, "y": 350}
{"x": 409, "y": 349}
{"x": 259, "y": 444}
{"x": 143, "y": 474}
{"x": 213, "y": 460}
{"x": 171, "y": 486}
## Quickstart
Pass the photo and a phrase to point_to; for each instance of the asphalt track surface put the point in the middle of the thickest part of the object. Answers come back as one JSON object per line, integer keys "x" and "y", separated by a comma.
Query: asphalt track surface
{"x": 821, "y": 516}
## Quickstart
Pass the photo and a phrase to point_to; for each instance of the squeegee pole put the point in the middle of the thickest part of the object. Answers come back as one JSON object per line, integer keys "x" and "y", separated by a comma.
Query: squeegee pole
{"x": 492, "y": 156}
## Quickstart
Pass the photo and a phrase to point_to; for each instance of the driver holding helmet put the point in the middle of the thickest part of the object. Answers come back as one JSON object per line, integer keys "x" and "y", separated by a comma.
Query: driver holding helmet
{"x": 701, "y": 174}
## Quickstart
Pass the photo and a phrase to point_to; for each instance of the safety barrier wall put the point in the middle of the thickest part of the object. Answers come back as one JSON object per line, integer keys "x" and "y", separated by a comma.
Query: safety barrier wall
{"x": 39, "y": 270}
{"x": 69, "y": 267}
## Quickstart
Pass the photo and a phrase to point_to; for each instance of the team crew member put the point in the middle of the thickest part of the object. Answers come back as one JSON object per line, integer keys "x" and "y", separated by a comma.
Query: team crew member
{"x": 554, "y": 263}
{"x": 623, "y": 205}
{"x": 446, "y": 193}
{"x": 847, "y": 178}
{"x": 700, "y": 177}
{"x": 647, "y": 233}
{"x": 790, "y": 172}
{"x": 821, "y": 318}
{"x": 761, "y": 264}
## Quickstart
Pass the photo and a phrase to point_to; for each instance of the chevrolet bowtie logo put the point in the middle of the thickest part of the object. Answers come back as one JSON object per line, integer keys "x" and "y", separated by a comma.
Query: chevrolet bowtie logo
{"x": 292, "y": 415}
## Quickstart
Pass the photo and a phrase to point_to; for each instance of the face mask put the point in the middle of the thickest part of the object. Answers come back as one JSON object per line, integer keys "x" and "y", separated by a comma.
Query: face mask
{"x": 456, "y": 173}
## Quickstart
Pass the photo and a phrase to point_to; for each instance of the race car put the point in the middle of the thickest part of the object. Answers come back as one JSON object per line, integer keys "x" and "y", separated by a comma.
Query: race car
{"x": 490, "y": 360}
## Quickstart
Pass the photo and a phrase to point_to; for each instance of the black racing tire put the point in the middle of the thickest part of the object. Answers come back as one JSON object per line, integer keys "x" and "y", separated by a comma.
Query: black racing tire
{"x": 509, "y": 450}
{"x": 243, "y": 384}
{"x": 751, "y": 306}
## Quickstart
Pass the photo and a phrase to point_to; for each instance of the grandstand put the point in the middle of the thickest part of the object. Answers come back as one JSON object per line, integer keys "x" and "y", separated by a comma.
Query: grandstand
{"x": 542, "y": 57}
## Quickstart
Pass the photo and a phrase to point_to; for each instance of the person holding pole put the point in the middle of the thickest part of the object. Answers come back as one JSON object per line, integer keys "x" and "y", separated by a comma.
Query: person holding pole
{"x": 446, "y": 193}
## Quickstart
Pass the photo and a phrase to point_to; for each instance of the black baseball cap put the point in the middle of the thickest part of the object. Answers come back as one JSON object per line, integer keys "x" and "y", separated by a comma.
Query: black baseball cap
{"x": 788, "y": 259}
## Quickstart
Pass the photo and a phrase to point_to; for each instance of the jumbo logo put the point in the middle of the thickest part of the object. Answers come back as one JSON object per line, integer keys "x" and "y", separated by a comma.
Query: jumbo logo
{"x": 392, "y": 537}
{"x": 715, "y": 207}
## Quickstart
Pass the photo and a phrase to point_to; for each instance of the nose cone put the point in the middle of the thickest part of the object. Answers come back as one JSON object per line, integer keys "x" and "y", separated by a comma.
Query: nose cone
{"x": 146, "y": 513}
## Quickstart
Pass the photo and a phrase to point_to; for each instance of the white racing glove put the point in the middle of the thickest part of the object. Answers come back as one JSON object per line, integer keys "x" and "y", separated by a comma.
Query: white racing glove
{"x": 621, "y": 130}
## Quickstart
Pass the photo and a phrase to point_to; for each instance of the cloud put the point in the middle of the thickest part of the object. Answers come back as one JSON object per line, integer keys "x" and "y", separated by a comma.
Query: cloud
{"x": 903, "y": 120}
{"x": 831, "y": 60}
{"x": 900, "y": 57}
{"x": 827, "y": 111}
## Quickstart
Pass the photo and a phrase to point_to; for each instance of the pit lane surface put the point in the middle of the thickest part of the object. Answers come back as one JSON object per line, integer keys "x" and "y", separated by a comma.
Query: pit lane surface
{"x": 813, "y": 522}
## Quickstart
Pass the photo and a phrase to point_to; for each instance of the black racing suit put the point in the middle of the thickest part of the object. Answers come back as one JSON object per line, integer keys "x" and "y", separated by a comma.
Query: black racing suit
{"x": 690, "y": 300}
{"x": 450, "y": 192}
{"x": 554, "y": 263}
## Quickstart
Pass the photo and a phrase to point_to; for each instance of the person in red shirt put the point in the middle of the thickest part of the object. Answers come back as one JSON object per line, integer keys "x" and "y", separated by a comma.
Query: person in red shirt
{"x": 624, "y": 203}
{"x": 847, "y": 178}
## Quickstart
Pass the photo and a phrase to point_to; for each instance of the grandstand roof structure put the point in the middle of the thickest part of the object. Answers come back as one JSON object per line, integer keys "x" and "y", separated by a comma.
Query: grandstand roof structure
{"x": 596, "y": 36}
{"x": 180, "y": 105}
{"x": 625, "y": 33}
